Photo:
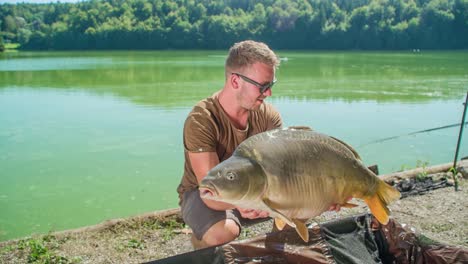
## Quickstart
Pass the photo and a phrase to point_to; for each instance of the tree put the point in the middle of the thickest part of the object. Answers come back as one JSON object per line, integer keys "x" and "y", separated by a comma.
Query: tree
{"x": 143, "y": 10}
{"x": 24, "y": 35}
{"x": 437, "y": 19}
{"x": 289, "y": 24}
{"x": 197, "y": 13}
{"x": 9, "y": 24}
{"x": 2, "y": 45}
{"x": 461, "y": 23}
{"x": 257, "y": 20}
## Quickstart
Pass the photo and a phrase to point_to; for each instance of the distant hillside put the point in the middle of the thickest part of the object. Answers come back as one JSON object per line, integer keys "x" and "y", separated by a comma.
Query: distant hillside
{"x": 214, "y": 24}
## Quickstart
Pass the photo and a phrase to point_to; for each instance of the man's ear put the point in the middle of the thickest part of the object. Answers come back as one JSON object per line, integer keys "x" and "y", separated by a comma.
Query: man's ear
{"x": 234, "y": 80}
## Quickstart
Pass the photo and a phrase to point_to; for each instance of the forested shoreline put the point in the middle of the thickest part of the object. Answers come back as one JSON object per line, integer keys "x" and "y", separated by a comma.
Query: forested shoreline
{"x": 215, "y": 24}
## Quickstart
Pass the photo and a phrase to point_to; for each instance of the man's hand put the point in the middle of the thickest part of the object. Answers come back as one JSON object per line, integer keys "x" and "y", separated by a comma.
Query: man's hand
{"x": 335, "y": 207}
{"x": 252, "y": 213}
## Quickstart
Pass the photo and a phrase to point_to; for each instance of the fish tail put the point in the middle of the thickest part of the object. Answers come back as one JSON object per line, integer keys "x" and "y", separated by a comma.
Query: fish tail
{"x": 378, "y": 202}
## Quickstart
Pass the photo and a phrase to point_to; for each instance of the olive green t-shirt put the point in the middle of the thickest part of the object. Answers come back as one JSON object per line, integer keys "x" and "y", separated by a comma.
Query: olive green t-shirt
{"x": 209, "y": 129}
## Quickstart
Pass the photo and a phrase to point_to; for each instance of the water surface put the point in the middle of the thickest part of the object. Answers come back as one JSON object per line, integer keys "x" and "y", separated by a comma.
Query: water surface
{"x": 89, "y": 136}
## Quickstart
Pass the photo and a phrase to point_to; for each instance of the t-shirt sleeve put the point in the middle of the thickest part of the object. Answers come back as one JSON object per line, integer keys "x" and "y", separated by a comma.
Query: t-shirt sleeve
{"x": 274, "y": 118}
{"x": 200, "y": 133}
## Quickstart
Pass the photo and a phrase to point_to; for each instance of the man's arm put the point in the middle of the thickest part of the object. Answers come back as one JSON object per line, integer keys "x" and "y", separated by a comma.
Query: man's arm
{"x": 201, "y": 163}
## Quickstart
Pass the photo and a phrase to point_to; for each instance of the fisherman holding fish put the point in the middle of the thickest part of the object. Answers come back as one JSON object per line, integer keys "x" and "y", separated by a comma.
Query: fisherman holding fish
{"x": 213, "y": 130}
{"x": 239, "y": 165}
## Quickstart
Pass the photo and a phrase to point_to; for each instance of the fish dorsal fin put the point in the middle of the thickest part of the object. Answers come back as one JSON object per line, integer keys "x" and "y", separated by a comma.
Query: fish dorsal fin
{"x": 356, "y": 155}
{"x": 277, "y": 213}
{"x": 302, "y": 229}
{"x": 299, "y": 128}
{"x": 280, "y": 224}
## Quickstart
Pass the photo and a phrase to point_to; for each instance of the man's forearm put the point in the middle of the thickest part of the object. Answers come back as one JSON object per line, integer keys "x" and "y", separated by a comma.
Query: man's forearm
{"x": 219, "y": 206}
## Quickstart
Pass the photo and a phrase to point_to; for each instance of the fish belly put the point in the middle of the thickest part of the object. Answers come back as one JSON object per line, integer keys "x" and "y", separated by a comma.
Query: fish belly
{"x": 300, "y": 202}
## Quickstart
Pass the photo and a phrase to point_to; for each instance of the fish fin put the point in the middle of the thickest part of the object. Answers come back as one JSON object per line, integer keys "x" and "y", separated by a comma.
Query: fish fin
{"x": 279, "y": 223}
{"x": 349, "y": 205}
{"x": 302, "y": 230}
{"x": 299, "y": 128}
{"x": 377, "y": 203}
{"x": 356, "y": 155}
{"x": 280, "y": 215}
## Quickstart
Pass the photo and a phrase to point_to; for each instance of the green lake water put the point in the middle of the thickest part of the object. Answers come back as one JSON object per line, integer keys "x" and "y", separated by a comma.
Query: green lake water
{"x": 90, "y": 136}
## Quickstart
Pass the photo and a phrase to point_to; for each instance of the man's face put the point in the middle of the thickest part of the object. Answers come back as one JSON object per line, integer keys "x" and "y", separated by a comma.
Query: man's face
{"x": 251, "y": 79}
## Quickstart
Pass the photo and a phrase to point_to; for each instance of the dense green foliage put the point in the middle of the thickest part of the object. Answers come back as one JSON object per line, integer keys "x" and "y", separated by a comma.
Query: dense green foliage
{"x": 2, "y": 45}
{"x": 215, "y": 24}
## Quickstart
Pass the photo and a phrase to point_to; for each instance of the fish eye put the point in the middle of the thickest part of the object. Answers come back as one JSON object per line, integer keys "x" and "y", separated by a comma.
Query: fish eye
{"x": 231, "y": 176}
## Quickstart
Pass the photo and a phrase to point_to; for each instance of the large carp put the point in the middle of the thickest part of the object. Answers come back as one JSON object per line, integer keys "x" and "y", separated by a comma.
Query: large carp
{"x": 296, "y": 174}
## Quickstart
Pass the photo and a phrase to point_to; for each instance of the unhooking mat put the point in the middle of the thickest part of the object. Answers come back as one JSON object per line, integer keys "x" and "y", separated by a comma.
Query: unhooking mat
{"x": 357, "y": 239}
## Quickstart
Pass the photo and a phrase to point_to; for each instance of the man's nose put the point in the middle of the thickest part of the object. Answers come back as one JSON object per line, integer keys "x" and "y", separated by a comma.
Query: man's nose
{"x": 267, "y": 92}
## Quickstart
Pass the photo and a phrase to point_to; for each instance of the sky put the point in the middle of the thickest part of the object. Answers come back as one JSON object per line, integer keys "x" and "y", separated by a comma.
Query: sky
{"x": 37, "y": 1}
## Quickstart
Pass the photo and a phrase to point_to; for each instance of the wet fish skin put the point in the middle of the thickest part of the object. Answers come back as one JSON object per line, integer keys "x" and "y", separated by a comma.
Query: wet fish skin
{"x": 296, "y": 174}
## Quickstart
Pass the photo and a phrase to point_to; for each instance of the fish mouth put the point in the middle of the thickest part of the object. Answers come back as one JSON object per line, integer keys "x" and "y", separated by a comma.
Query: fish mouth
{"x": 208, "y": 192}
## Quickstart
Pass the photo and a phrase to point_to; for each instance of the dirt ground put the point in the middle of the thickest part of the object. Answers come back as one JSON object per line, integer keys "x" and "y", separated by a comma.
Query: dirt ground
{"x": 440, "y": 214}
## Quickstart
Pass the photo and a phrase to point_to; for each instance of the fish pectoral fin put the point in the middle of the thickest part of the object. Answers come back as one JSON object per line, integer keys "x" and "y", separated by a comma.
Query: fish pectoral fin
{"x": 268, "y": 203}
{"x": 349, "y": 205}
{"x": 302, "y": 229}
{"x": 279, "y": 223}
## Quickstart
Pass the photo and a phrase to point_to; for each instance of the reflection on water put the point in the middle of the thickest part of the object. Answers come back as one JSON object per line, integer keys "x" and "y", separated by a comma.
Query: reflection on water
{"x": 88, "y": 136}
{"x": 180, "y": 78}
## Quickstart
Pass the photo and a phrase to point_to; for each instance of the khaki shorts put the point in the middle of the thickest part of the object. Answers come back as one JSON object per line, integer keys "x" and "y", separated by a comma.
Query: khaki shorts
{"x": 200, "y": 217}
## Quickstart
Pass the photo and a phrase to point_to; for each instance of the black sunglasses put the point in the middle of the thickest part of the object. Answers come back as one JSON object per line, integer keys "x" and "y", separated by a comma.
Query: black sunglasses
{"x": 262, "y": 87}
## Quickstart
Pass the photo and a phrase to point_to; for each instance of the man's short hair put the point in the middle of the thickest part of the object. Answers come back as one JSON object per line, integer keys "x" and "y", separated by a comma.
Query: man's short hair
{"x": 245, "y": 53}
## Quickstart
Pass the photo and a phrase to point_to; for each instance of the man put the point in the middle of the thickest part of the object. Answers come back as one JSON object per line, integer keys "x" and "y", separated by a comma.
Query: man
{"x": 212, "y": 131}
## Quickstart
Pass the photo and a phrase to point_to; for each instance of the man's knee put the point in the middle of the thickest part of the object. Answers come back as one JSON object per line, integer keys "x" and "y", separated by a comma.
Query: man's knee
{"x": 222, "y": 232}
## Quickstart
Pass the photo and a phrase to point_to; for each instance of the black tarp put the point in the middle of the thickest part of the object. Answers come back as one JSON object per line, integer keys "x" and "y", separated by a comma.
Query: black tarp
{"x": 355, "y": 239}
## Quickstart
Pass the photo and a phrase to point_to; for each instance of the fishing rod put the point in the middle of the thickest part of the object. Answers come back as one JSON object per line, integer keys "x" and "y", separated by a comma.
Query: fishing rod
{"x": 458, "y": 143}
{"x": 412, "y": 133}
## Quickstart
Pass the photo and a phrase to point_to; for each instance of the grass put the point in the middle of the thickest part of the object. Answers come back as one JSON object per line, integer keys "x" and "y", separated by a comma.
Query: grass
{"x": 168, "y": 228}
{"x": 439, "y": 227}
{"x": 41, "y": 250}
{"x": 137, "y": 244}
{"x": 419, "y": 164}
{"x": 454, "y": 172}
{"x": 9, "y": 47}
